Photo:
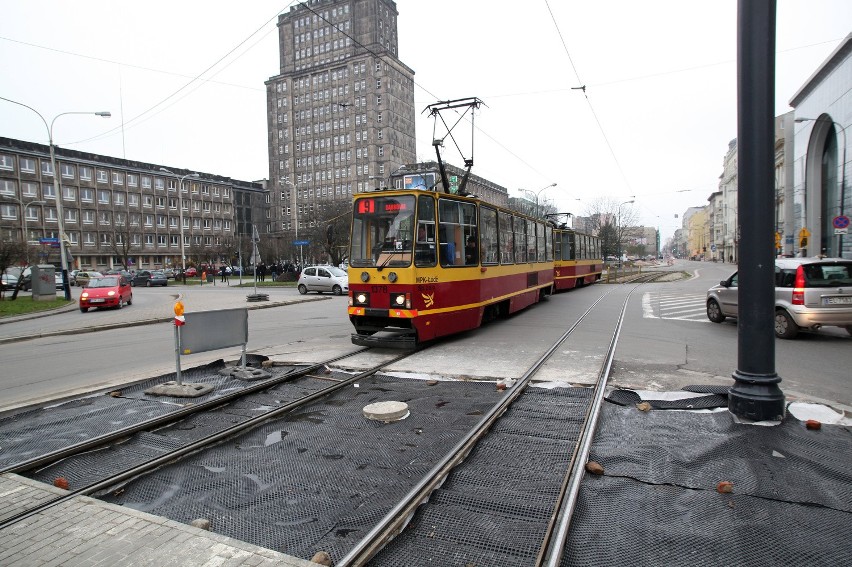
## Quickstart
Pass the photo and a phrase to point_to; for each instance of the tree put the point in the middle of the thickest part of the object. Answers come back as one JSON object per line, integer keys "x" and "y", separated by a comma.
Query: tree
{"x": 619, "y": 217}
{"x": 328, "y": 230}
{"x": 121, "y": 240}
{"x": 13, "y": 252}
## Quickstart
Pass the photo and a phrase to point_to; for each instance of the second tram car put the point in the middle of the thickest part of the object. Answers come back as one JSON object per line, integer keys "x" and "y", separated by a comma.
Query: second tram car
{"x": 577, "y": 259}
{"x": 425, "y": 264}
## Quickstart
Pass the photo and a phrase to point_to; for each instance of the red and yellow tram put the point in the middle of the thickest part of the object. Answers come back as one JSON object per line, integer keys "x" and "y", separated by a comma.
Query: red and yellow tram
{"x": 577, "y": 259}
{"x": 425, "y": 264}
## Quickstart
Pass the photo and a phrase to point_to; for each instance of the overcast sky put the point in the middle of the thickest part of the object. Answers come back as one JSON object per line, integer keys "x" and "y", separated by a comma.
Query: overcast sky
{"x": 184, "y": 82}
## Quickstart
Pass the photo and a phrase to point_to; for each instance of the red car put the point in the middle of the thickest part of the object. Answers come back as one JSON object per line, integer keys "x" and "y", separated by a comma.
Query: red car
{"x": 191, "y": 272}
{"x": 106, "y": 291}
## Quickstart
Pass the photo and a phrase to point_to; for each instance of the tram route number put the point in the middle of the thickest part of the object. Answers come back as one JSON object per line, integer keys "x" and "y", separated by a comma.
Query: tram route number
{"x": 423, "y": 279}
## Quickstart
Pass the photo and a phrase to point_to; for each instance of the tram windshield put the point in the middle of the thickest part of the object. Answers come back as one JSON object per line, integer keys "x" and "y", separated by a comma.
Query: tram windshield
{"x": 382, "y": 231}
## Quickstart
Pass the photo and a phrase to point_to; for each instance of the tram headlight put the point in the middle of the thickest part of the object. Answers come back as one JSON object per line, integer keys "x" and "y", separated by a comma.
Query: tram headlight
{"x": 402, "y": 300}
{"x": 361, "y": 298}
{"x": 365, "y": 277}
{"x": 392, "y": 277}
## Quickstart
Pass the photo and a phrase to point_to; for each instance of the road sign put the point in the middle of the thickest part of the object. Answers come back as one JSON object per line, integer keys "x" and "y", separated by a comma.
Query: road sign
{"x": 712, "y": 247}
{"x": 840, "y": 224}
{"x": 777, "y": 240}
{"x": 48, "y": 241}
{"x": 803, "y": 237}
{"x": 301, "y": 242}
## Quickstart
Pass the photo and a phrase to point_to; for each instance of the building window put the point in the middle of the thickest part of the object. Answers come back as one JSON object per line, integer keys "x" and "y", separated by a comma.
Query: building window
{"x": 146, "y": 182}
{"x": 117, "y": 178}
{"x": 71, "y": 215}
{"x": 119, "y": 197}
{"x": 103, "y": 197}
{"x": 27, "y": 165}
{"x": 67, "y": 171}
{"x": 159, "y": 184}
{"x": 102, "y": 176}
{"x": 46, "y": 168}
{"x": 85, "y": 173}
{"x": 7, "y": 162}
{"x": 69, "y": 193}
{"x": 29, "y": 189}
{"x": 87, "y": 195}
{"x": 132, "y": 180}
{"x": 48, "y": 191}
{"x": 8, "y": 187}
{"x": 132, "y": 200}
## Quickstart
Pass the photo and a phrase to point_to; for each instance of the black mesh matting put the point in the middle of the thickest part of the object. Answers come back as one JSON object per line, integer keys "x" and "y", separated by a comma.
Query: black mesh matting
{"x": 657, "y": 502}
{"x": 493, "y": 509}
{"x": 319, "y": 478}
{"x": 31, "y": 433}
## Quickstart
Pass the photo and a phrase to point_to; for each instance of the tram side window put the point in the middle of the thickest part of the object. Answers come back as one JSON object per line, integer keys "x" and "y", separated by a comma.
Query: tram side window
{"x": 507, "y": 242}
{"x": 488, "y": 234}
{"x": 540, "y": 242}
{"x": 572, "y": 246}
{"x": 531, "y": 241}
{"x": 520, "y": 228}
{"x": 548, "y": 238}
{"x": 458, "y": 244}
{"x": 557, "y": 244}
{"x": 424, "y": 246}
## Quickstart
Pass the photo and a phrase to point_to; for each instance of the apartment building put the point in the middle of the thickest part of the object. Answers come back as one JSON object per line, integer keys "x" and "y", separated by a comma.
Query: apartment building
{"x": 340, "y": 111}
{"x": 113, "y": 208}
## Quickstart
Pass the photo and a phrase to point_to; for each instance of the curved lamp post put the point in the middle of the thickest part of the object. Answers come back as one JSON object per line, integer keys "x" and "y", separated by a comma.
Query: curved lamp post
{"x": 59, "y": 214}
{"x": 180, "y": 213}
{"x": 537, "y": 193}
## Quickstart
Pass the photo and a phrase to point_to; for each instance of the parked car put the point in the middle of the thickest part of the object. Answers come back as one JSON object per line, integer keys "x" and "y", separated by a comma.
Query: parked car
{"x": 118, "y": 272}
{"x": 323, "y": 278}
{"x": 809, "y": 293}
{"x": 170, "y": 273}
{"x": 8, "y": 281}
{"x": 106, "y": 291}
{"x": 82, "y": 277}
{"x": 149, "y": 278}
{"x": 57, "y": 279}
{"x": 191, "y": 272}
{"x": 72, "y": 276}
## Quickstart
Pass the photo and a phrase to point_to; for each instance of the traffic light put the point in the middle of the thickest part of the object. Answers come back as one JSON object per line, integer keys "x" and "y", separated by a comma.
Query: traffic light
{"x": 803, "y": 242}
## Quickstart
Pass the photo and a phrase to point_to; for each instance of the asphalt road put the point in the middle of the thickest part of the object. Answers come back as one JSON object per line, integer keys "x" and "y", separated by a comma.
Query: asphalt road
{"x": 667, "y": 342}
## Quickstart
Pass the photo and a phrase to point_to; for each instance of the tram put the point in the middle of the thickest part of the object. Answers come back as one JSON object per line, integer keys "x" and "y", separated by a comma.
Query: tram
{"x": 425, "y": 264}
{"x": 577, "y": 259}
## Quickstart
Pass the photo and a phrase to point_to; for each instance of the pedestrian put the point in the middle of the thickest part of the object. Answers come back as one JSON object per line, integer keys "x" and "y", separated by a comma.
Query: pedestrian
{"x": 223, "y": 270}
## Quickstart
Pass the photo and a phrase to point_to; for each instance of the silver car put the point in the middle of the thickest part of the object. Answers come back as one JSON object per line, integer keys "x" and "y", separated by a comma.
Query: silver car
{"x": 809, "y": 293}
{"x": 323, "y": 278}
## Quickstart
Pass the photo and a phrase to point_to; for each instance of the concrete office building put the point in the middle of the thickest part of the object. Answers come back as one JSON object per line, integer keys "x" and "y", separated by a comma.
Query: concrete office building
{"x": 116, "y": 207}
{"x": 340, "y": 111}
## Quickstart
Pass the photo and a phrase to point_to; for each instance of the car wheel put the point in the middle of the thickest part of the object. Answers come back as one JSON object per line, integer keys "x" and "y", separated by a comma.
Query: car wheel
{"x": 83, "y": 309}
{"x": 785, "y": 327}
{"x": 714, "y": 312}
{"x": 302, "y": 289}
{"x": 120, "y": 304}
{"x": 132, "y": 283}
{"x": 337, "y": 290}
{"x": 148, "y": 283}
{"x": 130, "y": 299}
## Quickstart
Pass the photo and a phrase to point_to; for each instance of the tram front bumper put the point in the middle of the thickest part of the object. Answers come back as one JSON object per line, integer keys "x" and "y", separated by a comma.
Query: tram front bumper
{"x": 402, "y": 339}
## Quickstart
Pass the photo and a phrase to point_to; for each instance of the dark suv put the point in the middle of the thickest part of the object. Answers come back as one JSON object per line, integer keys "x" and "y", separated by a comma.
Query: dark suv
{"x": 809, "y": 293}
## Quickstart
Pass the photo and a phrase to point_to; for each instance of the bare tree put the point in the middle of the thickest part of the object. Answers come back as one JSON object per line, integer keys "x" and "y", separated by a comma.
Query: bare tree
{"x": 12, "y": 253}
{"x": 328, "y": 231}
{"x": 614, "y": 222}
{"x": 121, "y": 240}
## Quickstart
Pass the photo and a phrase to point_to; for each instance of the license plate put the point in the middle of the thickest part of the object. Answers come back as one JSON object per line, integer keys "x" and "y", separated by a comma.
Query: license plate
{"x": 96, "y": 300}
{"x": 844, "y": 300}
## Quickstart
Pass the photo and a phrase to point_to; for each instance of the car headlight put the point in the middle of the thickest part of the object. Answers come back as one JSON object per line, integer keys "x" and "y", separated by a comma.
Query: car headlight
{"x": 84, "y": 295}
{"x": 110, "y": 293}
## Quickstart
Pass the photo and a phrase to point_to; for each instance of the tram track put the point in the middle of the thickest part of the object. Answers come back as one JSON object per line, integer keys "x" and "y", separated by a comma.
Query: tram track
{"x": 418, "y": 486}
{"x": 410, "y": 511}
{"x": 53, "y": 459}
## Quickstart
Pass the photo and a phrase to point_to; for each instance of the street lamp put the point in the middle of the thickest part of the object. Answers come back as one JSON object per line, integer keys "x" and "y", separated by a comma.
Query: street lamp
{"x": 842, "y": 175}
{"x": 537, "y": 193}
{"x": 180, "y": 213}
{"x": 62, "y": 254}
{"x": 295, "y": 216}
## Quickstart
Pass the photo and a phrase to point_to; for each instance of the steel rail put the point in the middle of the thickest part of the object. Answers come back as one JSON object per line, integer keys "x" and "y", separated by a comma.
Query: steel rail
{"x": 397, "y": 518}
{"x": 553, "y": 544}
{"x": 95, "y": 442}
{"x": 195, "y": 446}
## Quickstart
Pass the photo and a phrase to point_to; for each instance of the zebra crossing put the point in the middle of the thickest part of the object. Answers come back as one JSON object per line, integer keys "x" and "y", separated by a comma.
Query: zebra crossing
{"x": 677, "y": 306}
